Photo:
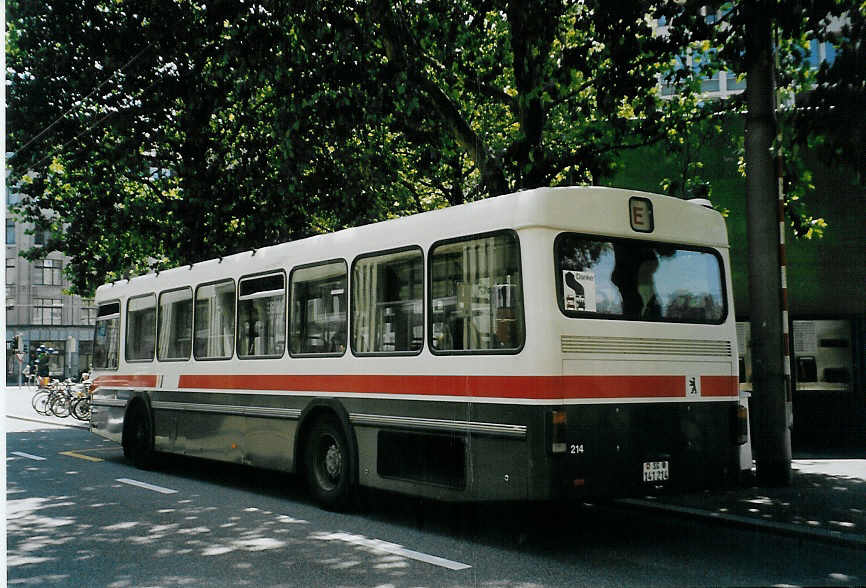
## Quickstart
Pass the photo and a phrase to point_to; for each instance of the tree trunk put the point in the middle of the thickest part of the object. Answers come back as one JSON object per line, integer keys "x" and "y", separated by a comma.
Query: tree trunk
{"x": 772, "y": 436}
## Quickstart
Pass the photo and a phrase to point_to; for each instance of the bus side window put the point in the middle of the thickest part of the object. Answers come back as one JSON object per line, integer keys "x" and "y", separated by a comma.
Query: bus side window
{"x": 262, "y": 316}
{"x": 174, "y": 332}
{"x": 476, "y": 299}
{"x": 387, "y": 309}
{"x": 318, "y": 318}
{"x": 106, "y": 338}
{"x": 214, "y": 320}
{"x": 141, "y": 328}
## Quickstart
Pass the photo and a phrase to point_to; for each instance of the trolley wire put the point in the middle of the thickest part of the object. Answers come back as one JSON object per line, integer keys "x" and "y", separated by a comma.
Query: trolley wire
{"x": 77, "y": 105}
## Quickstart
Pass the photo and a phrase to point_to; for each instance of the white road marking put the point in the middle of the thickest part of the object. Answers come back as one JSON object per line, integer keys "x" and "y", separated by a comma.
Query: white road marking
{"x": 28, "y": 456}
{"x": 384, "y": 546}
{"x": 146, "y": 486}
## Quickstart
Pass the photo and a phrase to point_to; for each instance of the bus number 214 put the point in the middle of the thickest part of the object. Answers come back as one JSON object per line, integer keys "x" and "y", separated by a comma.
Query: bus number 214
{"x": 575, "y": 448}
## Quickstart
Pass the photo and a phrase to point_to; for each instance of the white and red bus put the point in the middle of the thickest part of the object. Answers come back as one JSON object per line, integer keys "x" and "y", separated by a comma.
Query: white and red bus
{"x": 551, "y": 343}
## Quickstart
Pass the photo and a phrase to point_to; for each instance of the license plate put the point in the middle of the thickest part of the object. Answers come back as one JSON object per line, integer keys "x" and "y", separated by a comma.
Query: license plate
{"x": 656, "y": 471}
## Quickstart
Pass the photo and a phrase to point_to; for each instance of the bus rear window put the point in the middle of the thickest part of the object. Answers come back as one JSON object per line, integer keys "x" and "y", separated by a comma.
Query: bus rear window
{"x": 638, "y": 280}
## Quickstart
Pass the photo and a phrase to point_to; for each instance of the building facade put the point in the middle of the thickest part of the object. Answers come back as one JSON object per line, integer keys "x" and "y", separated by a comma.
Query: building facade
{"x": 39, "y": 310}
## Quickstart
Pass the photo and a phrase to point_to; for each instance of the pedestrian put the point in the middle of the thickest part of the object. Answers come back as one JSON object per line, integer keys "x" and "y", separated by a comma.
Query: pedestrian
{"x": 42, "y": 366}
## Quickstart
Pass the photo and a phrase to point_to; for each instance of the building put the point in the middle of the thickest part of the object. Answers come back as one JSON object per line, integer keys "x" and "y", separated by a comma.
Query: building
{"x": 825, "y": 276}
{"x": 38, "y": 309}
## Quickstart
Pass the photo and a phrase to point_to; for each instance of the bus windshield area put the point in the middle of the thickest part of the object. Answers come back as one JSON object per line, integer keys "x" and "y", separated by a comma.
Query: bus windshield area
{"x": 638, "y": 280}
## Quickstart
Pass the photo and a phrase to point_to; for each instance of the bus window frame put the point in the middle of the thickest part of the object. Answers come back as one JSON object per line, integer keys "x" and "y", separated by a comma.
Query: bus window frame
{"x": 424, "y": 313}
{"x": 649, "y": 242}
{"x": 194, "y": 313}
{"x": 126, "y": 331}
{"x": 289, "y": 301}
{"x": 429, "y": 300}
{"x": 262, "y": 274}
{"x": 192, "y": 328}
{"x": 114, "y": 315}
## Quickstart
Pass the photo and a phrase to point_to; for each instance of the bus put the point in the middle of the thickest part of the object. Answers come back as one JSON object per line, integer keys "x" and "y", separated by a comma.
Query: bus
{"x": 550, "y": 344}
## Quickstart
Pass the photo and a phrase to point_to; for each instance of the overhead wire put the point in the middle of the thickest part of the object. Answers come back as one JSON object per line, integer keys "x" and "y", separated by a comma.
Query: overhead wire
{"x": 78, "y": 104}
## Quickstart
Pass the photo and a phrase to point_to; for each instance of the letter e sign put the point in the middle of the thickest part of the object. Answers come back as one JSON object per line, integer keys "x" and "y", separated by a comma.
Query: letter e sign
{"x": 641, "y": 214}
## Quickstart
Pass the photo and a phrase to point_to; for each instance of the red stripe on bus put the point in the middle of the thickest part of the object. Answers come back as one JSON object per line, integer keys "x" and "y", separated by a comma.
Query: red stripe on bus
{"x": 529, "y": 387}
{"x": 139, "y": 380}
{"x": 720, "y": 386}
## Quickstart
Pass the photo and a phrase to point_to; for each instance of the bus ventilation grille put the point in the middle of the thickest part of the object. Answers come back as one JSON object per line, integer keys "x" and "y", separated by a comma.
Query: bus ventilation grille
{"x": 632, "y": 346}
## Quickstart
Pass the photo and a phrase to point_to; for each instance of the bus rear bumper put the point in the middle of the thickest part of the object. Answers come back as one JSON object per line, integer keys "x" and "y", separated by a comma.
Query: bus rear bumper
{"x": 638, "y": 449}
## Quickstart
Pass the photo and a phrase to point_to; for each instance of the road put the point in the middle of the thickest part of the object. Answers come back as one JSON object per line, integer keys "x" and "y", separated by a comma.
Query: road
{"x": 79, "y": 514}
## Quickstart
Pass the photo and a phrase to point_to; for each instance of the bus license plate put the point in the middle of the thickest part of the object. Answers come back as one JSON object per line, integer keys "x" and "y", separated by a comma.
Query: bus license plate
{"x": 656, "y": 471}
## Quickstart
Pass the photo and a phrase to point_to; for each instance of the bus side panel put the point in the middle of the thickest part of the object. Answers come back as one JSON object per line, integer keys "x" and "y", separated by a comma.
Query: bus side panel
{"x": 106, "y": 415}
{"x": 269, "y": 443}
{"x": 458, "y": 460}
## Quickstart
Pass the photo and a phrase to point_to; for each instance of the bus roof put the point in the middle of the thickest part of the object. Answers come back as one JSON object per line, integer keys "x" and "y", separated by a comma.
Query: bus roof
{"x": 587, "y": 210}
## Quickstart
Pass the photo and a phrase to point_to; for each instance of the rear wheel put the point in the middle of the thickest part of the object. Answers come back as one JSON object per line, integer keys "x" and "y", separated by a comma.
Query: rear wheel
{"x": 329, "y": 464}
{"x": 40, "y": 402}
{"x": 81, "y": 409}
{"x": 59, "y": 404}
{"x": 138, "y": 437}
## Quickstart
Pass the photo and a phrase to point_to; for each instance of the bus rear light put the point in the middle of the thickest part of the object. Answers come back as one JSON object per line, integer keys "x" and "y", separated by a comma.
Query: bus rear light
{"x": 558, "y": 426}
{"x": 742, "y": 425}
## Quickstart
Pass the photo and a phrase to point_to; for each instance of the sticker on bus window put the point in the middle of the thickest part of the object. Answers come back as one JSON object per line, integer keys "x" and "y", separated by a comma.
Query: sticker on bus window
{"x": 578, "y": 291}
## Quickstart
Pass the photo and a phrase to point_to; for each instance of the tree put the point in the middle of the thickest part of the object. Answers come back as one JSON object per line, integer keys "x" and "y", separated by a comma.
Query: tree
{"x": 748, "y": 42}
{"x": 153, "y": 134}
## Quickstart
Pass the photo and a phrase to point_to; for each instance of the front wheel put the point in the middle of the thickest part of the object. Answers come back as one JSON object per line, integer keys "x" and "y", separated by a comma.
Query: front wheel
{"x": 138, "y": 437}
{"x": 329, "y": 464}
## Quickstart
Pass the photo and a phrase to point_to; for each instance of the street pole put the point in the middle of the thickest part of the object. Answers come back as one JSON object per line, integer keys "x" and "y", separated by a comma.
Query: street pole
{"x": 770, "y": 386}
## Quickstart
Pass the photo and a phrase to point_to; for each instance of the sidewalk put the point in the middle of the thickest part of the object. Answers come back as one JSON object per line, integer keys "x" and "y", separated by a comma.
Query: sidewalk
{"x": 16, "y": 405}
{"x": 827, "y": 501}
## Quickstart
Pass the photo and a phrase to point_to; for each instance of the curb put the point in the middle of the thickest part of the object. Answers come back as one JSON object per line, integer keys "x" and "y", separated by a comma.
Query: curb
{"x": 826, "y": 535}
{"x": 46, "y": 422}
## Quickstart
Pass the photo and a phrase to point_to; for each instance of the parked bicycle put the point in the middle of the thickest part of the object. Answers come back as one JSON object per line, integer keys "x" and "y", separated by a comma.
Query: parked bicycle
{"x": 62, "y": 399}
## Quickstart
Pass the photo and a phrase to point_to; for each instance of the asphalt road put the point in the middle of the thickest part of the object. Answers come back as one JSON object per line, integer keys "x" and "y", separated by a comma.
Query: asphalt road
{"x": 79, "y": 514}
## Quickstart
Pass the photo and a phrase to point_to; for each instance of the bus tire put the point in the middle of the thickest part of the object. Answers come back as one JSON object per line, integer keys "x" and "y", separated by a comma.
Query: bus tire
{"x": 328, "y": 464}
{"x": 138, "y": 436}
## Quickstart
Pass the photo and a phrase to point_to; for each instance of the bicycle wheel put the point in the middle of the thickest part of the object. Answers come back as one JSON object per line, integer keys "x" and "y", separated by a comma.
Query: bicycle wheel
{"x": 40, "y": 401}
{"x": 81, "y": 408}
{"x": 60, "y": 405}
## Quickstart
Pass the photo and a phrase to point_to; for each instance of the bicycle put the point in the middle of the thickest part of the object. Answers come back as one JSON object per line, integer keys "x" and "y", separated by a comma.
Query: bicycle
{"x": 60, "y": 400}
{"x": 80, "y": 407}
{"x": 41, "y": 397}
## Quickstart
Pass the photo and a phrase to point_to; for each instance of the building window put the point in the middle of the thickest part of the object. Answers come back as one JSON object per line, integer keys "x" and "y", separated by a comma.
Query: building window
{"x": 88, "y": 315}
{"x": 10, "y": 232}
{"x": 11, "y": 274}
{"x": 49, "y": 272}
{"x": 47, "y": 311}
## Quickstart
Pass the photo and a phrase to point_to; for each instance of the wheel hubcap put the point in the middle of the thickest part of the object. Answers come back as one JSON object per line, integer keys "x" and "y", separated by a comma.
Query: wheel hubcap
{"x": 333, "y": 462}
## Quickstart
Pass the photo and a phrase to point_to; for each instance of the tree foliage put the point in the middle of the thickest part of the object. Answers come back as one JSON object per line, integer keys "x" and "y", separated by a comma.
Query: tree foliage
{"x": 152, "y": 133}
